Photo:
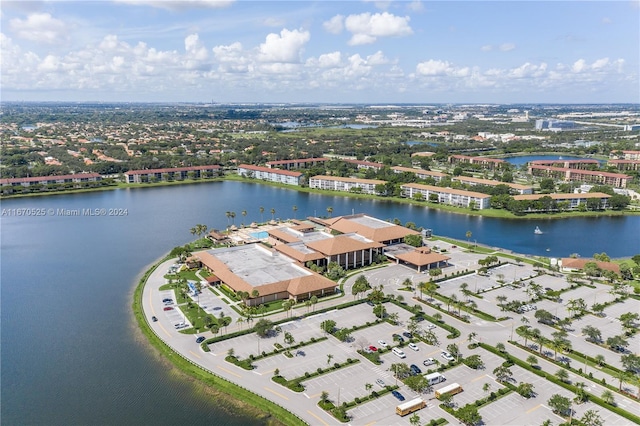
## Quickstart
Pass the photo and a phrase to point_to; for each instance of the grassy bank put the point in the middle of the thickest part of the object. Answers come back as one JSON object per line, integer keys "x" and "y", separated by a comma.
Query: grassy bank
{"x": 242, "y": 399}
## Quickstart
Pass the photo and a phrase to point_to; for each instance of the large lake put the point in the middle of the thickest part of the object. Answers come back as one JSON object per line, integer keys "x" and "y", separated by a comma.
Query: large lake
{"x": 70, "y": 351}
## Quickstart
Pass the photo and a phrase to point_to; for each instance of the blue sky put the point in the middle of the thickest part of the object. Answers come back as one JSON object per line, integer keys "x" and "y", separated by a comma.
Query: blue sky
{"x": 326, "y": 51}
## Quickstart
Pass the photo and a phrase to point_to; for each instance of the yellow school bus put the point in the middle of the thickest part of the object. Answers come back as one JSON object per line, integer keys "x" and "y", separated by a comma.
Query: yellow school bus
{"x": 451, "y": 389}
{"x": 410, "y": 406}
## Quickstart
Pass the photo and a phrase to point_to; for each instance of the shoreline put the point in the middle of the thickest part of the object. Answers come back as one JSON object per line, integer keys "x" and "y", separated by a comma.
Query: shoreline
{"x": 492, "y": 213}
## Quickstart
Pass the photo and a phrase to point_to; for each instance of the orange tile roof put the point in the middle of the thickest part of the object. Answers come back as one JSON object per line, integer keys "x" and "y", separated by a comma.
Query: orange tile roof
{"x": 341, "y": 244}
{"x": 420, "y": 258}
{"x": 576, "y": 263}
{"x": 387, "y": 233}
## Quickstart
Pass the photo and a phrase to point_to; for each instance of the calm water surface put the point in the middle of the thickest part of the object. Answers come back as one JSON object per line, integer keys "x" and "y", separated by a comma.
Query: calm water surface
{"x": 70, "y": 353}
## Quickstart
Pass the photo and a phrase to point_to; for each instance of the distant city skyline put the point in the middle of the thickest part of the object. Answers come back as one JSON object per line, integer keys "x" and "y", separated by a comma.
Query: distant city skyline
{"x": 321, "y": 52}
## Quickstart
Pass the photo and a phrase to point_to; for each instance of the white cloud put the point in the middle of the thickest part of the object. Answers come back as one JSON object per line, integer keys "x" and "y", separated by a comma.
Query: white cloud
{"x": 334, "y": 25}
{"x": 487, "y": 48}
{"x": 366, "y": 28}
{"x": 434, "y": 67}
{"x": 41, "y": 28}
{"x": 579, "y": 65}
{"x": 505, "y": 47}
{"x": 194, "y": 47}
{"x": 377, "y": 58}
{"x": 326, "y": 60}
{"x": 178, "y": 5}
{"x": 600, "y": 63}
{"x": 286, "y": 47}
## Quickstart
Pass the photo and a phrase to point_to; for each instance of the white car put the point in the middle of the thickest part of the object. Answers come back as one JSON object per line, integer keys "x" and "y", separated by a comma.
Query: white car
{"x": 431, "y": 326}
{"x": 383, "y": 343}
{"x": 413, "y": 346}
{"x": 446, "y": 355}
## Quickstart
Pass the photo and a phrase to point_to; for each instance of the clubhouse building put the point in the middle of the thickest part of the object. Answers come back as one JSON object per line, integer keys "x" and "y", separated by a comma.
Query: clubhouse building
{"x": 281, "y": 272}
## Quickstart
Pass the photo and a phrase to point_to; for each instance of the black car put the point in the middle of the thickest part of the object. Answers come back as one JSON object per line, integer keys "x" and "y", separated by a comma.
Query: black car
{"x": 200, "y": 339}
{"x": 407, "y": 335}
{"x": 415, "y": 369}
{"x": 167, "y": 300}
{"x": 398, "y": 395}
{"x": 154, "y": 319}
{"x": 370, "y": 303}
{"x": 397, "y": 338}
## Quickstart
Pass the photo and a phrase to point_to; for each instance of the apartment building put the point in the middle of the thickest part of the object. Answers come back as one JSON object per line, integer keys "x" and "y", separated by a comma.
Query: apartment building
{"x": 420, "y": 174}
{"x": 574, "y": 199}
{"x": 449, "y": 196}
{"x": 300, "y": 163}
{"x": 172, "y": 173}
{"x": 598, "y": 177}
{"x": 51, "y": 180}
{"x": 484, "y": 162}
{"x": 520, "y": 189}
{"x": 272, "y": 175}
{"x": 337, "y": 183}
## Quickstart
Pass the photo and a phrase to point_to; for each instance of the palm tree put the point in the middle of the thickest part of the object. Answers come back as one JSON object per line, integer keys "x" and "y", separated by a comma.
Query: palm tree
{"x": 324, "y": 396}
{"x": 563, "y": 375}
{"x": 244, "y": 214}
{"x": 329, "y": 358}
{"x": 607, "y": 396}
{"x": 532, "y": 360}
{"x": 233, "y": 217}
{"x": 228, "y": 214}
{"x": 261, "y": 214}
{"x": 273, "y": 212}
{"x": 329, "y": 210}
{"x": 468, "y": 234}
{"x": 314, "y": 300}
{"x": 622, "y": 376}
{"x": 295, "y": 209}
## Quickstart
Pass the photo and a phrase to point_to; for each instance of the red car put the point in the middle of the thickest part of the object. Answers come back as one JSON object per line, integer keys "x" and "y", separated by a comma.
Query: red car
{"x": 373, "y": 349}
{"x": 168, "y": 308}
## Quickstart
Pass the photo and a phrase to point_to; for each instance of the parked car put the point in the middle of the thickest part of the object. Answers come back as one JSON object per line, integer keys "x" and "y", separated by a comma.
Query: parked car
{"x": 415, "y": 370}
{"x": 168, "y": 308}
{"x": 383, "y": 343}
{"x": 431, "y": 326}
{"x": 380, "y": 382}
{"x": 370, "y": 303}
{"x": 154, "y": 319}
{"x": 446, "y": 355}
{"x": 217, "y": 308}
{"x": 407, "y": 334}
{"x": 200, "y": 339}
{"x": 373, "y": 348}
{"x": 398, "y": 395}
{"x": 413, "y": 346}
{"x": 167, "y": 300}
{"x": 429, "y": 361}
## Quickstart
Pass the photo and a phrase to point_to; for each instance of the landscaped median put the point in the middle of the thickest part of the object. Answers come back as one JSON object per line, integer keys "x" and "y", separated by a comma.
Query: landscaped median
{"x": 233, "y": 393}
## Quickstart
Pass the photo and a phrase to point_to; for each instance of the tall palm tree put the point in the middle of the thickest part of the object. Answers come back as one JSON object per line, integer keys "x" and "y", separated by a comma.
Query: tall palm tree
{"x": 244, "y": 214}
{"x": 295, "y": 209}
{"x": 261, "y": 214}
{"x": 329, "y": 210}
{"x": 233, "y": 218}
{"x": 273, "y": 213}
{"x": 228, "y": 214}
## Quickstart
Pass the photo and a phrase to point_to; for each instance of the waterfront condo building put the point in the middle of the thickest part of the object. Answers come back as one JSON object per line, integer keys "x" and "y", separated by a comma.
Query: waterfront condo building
{"x": 337, "y": 183}
{"x": 172, "y": 173}
{"x": 450, "y": 196}
{"x": 272, "y": 175}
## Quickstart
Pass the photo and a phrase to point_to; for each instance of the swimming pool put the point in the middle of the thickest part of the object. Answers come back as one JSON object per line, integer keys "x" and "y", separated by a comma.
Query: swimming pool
{"x": 260, "y": 235}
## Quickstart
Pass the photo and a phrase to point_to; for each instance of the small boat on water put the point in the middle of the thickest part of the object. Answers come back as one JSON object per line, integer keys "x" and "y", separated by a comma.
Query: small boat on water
{"x": 537, "y": 231}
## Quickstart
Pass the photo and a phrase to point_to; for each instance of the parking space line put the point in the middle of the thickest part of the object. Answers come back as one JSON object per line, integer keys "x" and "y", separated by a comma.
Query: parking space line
{"x": 319, "y": 419}
{"x": 229, "y": 371}
{"x": 479, "y": 377}
{"x": 276, "y": 393}
{"x": 195, "y": 354}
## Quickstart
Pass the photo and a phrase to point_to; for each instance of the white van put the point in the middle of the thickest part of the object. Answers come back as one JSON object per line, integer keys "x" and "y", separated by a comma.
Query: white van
{"x": 435, "y": 378}
{"x": 398, "y": 352}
